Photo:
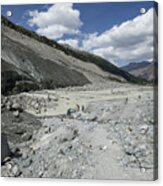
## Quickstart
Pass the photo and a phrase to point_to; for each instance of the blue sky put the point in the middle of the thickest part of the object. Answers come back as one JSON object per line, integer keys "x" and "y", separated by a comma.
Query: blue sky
{"x": 91, "y": 26}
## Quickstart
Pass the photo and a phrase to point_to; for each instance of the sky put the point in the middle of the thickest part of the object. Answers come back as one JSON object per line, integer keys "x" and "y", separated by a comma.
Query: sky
{"x": 118, "y": 32}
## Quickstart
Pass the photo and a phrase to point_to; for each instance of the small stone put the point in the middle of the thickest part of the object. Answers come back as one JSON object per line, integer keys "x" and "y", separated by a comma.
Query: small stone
{"x": 114, "y": 142}
{"x": 16, "y": 113}
{"x": 40, "y": 174}
{"x": 36, "y": 106}
{"x": 9, "y": 166}
{"x": 129, "y": 149}
{"x": 130, "y": 129}
{"x": 48, "y": 98}
{"x": 16, "y": 151}
{"x": 143, "y": 129}
{"x": 2, "y": 105}
{"x": 143, "y": 170}
{"x": 70, "y": 111}
{"x": 74, "y": 173}
{"x": 47, "y": 130}
{"x": 145, "y": 120}
{"x": 61, "y": 151}
{"x": 103, "y": 147}
{"x": 16, "y": 171}
{"x": 140, "y": 150}
{"x": 26, "y": 136}
{"x": 15, "y": 106}
{"x": 24, "y": 155}
{"x": 37, "y": 111}
{"x": 5, "y": 99}
{"x": 54, "y": 98}
{"x": 27, "y": 163}
{"x": 70, "y": 147}
{"x": 75, "y": 115}
{"x": 33, "y": 103}
{"x": 92, "y": 117}
{"x": 83, "y": 167}
{"x": 70, "y": 158}
{"x": 8, "y": 105}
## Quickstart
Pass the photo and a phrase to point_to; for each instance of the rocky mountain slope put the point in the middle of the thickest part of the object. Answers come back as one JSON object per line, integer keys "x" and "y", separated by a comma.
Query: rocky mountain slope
{"x": 35, "y": 62}
{"x": 144, "y": 70}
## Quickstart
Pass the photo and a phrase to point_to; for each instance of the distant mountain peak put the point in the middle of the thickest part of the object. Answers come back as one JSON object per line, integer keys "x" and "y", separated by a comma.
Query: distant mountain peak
{"x": 135, "y": 65}
{"x": 144, "y": 69}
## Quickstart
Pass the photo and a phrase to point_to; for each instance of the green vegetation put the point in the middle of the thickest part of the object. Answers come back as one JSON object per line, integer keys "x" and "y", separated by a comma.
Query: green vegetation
{"x": 82, "y": 55}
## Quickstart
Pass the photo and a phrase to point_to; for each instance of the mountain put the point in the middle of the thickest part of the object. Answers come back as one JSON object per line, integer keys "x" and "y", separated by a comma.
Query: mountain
{"x": 31, "y": 62}
{"x": 134, "y": 66}
{"x": 143, "y": 69}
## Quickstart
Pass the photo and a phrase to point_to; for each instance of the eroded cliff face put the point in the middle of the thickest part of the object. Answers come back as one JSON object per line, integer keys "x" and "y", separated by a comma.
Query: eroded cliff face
{"x": 23, "y": 69}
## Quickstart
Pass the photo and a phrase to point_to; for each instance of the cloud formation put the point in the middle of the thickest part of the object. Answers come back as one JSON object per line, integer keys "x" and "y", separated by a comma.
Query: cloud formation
{"x": 59, "y": 19}
{"x": 72, "y": 42}
{"x": 128, "y": 42}
{"x": 131, "y": 41}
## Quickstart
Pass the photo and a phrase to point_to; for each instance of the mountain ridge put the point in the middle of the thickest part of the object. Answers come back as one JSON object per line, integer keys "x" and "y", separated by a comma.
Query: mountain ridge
{"x": 145, "y": 69}
{"x": 32, "y": 53}
{"x": 135, "y": 65}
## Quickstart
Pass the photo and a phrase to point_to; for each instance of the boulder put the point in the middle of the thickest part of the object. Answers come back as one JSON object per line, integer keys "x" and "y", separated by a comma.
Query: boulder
{"x": 16, "y": 107}
{"x": 71, "y": 111}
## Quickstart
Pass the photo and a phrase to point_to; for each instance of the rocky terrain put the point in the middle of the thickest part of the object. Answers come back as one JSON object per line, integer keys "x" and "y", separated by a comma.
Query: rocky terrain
{"x": 109, "y": 136}
{"x": 70, "y": 114}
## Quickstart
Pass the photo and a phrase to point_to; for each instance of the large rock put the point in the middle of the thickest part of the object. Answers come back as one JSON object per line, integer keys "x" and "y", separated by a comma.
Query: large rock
{"x": 19, "y": 128}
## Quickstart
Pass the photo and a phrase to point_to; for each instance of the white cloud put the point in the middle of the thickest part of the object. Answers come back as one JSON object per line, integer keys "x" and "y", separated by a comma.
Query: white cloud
{"x": 128, "y": 42}
{"x": 72, "y": 42}
{"x": 131, "y": 41}
{"x": 59, "y": 19}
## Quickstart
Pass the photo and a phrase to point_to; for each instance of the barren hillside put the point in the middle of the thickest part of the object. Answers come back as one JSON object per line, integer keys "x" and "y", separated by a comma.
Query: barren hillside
{"x": 38, "y": 62}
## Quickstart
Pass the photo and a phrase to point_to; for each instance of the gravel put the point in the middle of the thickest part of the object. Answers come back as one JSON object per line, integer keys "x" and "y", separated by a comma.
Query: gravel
{"x": 109, "y": 139}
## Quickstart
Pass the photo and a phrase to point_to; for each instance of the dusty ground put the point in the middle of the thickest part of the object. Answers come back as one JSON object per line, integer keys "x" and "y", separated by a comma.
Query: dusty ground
{"x": 110, "y": 137}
